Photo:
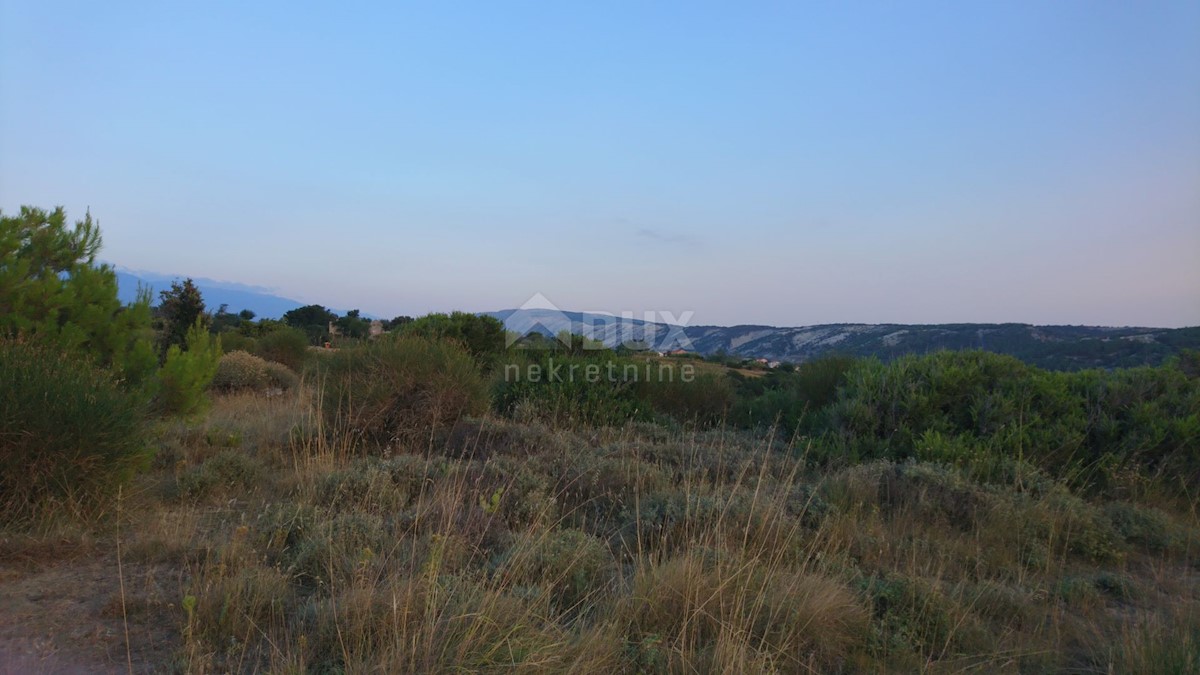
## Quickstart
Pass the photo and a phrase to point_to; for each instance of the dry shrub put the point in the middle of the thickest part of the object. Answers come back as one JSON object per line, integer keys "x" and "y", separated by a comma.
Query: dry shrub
{"x": 485, "y": 438}
{"x": 376, "y": 485}
{"x": 269, "y": 425}
{"x": 1154, "y": 644}
{"x": 439, "y": 623}
{"x": 693, "y": 603}
{"x": 576, "y": 565}
{"x": 227, "y": 470}
{"x": 349, "y": 546}
{"x": 401, "y": 388}
{"x": 241, "y": 604}
{"x": 241, "y": 371}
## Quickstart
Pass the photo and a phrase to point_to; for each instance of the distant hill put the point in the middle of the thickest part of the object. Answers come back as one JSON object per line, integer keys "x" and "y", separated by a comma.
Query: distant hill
{"x": 264, "y": 304}
{"x": 1054, "y": 347}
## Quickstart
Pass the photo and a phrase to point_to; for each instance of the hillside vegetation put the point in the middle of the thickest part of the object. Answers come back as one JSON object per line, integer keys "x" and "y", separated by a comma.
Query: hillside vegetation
{"x": 941, "y": 513}
{"x": 432, "y": 501}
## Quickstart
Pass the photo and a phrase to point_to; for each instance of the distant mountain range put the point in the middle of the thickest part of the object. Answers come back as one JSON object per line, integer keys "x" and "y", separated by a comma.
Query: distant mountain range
{"x": 261, "y": 301}
{"x": 1054, "y": 347}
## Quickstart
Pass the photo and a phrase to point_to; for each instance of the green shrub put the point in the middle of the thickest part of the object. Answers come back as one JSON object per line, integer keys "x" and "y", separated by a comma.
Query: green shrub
{"x": 597, "y": 389}
{"x": 240, "y": 371}
{"x": 233, "y": 341}
{"x": 1101, "y": 432}
{"x": 376, "y": 485}
{"x": 221, "y": 438}
{"x": 401, "y": 388}
{"x": 794, "y": 399}
{"x": 916, "y": 613}
{"x": 69, "y": 434}
{"x": 704, "y": 400}
{"x": 186, "y": 374}
{"x": 482, "y": 336}
{"x": 285, "y": 345}
{"x": 281, "y": 527}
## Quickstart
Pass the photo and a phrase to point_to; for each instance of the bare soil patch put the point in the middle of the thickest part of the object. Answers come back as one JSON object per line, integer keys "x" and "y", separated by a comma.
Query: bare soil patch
{"x": 65, "y": 616}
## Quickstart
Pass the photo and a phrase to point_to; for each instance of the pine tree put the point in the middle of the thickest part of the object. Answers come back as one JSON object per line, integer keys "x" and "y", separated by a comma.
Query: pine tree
{"x": 53, "y": 291}
{"x": 179, "y": 308}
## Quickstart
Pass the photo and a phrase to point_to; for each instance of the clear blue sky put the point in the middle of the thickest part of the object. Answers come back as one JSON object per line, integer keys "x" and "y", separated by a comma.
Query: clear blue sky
{"x": 784, "y": 163}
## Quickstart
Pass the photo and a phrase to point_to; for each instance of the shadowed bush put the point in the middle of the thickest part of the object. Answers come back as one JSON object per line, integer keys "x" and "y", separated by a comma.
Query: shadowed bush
{"x": 69, "y": 434}
{"x": 792, "y": 399}
{"x": 562, "y": 390}
{"x": 280, "y": 376}
{"x": 288, "y": 346}
{"x": 401, "y": 388}
{"x": 704, "y": 399}
{"x": 225, "y": 470}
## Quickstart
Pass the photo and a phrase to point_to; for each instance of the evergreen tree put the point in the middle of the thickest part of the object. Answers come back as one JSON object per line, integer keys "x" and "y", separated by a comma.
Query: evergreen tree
{"x": 179, "y": 308}
{"x": 52, "y": 290}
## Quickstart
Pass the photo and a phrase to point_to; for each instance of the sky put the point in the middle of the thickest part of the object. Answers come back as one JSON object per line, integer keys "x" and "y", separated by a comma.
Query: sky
{"x": 784, "y": 163}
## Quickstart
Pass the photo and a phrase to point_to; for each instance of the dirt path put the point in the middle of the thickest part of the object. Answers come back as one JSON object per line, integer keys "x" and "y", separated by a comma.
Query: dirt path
{"x": 65, "y": 617}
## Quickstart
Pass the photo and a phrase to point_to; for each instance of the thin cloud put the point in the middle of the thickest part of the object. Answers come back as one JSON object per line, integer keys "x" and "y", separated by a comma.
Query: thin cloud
{"x": 666, "y": 237}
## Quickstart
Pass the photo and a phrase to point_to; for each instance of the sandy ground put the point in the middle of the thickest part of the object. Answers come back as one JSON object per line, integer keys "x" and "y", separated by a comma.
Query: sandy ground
{"x": 65, "y": 617}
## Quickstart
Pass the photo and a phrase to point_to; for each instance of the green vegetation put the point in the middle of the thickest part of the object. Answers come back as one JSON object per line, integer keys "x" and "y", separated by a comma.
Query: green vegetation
{"x": 186, "y": 374}
{"x": 1100, "y": 432}
{"x": 179, "y": 309}
{"x": 314, "y": 320}
{"x": 69, "y": 433}
{"x": 52, "y": 291}
{"x": 79, "y": 369}
{"x": 482, "y": 336}
{"x": 431, "y": 501}
{"x": 288, "y": 346}
{"x": 791, "y": 398}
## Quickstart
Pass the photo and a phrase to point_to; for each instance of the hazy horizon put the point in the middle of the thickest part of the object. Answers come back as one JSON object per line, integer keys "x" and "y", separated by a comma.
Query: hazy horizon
{"x": 764, "y": 164}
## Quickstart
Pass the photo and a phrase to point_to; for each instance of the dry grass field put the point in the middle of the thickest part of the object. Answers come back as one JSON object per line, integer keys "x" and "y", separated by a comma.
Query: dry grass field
{"x": 262, "y": 542}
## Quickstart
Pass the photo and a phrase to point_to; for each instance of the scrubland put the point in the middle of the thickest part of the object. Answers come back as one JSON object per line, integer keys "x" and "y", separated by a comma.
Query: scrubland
{"x": 385, "y": 513}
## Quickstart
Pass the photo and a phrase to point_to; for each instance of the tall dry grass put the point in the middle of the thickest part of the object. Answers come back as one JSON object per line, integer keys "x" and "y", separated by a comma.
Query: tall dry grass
{"x": 514, "y": 546}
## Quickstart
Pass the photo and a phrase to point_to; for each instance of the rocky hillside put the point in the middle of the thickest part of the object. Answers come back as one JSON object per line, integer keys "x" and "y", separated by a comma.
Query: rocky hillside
{"x": 1055, "y": 347}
